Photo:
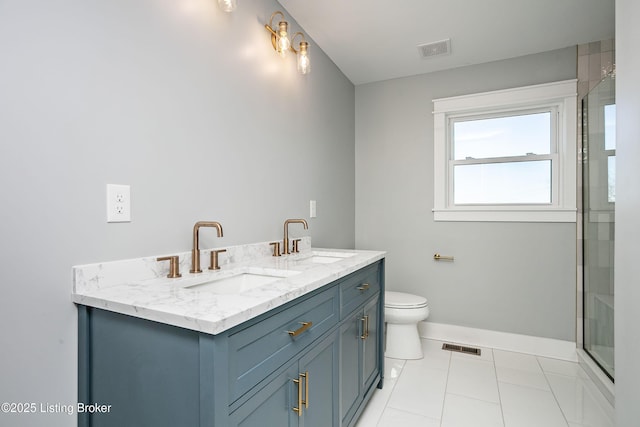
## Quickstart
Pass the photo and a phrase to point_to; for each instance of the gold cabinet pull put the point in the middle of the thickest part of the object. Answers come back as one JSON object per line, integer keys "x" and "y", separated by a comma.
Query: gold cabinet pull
{"x": 365, "y": 327}
{"x": 306, "y": 389}
{"x": 363, "y": 287}
{"x": 439, "y": 257}
{"x": 366, "y": 322}
{"x": 301, "y": 329}
{"x": 298, "y": 409}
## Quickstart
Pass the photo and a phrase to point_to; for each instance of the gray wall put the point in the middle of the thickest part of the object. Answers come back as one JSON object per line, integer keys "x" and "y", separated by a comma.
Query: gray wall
{"x": 627, "y": 279}
{"x": 188, "y": 105}
{"x": 511, "y": 277}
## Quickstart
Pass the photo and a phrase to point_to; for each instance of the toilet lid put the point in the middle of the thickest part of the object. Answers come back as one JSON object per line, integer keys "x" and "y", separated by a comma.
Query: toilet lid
{"x": 403, "y": 300}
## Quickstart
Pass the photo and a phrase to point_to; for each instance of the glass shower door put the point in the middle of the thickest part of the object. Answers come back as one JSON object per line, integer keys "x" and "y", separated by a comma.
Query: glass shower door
{"x": 599, "y": 197}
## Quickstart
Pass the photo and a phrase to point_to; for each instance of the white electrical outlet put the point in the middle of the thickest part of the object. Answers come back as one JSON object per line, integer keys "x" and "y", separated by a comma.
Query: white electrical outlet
{"x": 118, "y": 203}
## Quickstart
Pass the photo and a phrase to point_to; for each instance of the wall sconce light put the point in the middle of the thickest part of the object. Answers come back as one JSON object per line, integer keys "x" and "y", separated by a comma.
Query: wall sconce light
{"x": 304, "y": 64}
{"x": 281, "y": 43}
{"x": 228, "y": 5}
{"x": 279, "y": 38}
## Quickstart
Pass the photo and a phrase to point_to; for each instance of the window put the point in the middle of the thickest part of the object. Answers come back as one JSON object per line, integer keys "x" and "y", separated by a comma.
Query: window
{"x": 507, "y": 155}
{"x": 610, "y": 149}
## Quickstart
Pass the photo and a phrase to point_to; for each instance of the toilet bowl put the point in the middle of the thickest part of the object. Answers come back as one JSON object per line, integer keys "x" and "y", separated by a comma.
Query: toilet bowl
{"x": 402, "y": 312}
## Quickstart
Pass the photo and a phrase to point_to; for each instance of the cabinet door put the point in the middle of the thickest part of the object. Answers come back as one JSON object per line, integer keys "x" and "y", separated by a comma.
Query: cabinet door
{"x": 350, "y": 349}
{"x": 272, "y": 405}
{"x": 320, "y": 392}
{"x": 370, "y": 356}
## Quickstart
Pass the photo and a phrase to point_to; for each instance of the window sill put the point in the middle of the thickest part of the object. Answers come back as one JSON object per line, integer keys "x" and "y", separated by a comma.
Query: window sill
{"x": 493, "y": 214}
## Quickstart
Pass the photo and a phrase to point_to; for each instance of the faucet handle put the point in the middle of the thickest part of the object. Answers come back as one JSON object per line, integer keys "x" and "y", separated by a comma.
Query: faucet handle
{"x": 296, "y": 245}
{"x": 214, "y": 259}
{"x": 174, "y": 265}
{"x": 276, "y": 248}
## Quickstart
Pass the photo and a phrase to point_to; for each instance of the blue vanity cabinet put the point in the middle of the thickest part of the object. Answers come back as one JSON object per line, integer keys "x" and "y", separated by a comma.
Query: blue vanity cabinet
{"x": 360, "y": 358}
{"x": 258, "y": 347}
{"x": 302, "y": 394}
{"x": 350, "y": 362}
{"x": 360, "y": 342}
{"x": 308, "y": 353}
{"x": 371, "y": 344}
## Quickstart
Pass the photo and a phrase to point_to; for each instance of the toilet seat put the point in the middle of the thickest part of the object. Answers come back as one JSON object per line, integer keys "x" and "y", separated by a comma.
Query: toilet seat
{"x": 403, "y": 300}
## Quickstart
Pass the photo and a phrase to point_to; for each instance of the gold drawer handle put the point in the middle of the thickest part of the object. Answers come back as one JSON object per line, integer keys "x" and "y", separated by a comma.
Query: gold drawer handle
{"x": 364, "y": 287}
{"x": 365, "y": 327}
{"x": 298, "y": 409}
{"x": 301, "y": 401}
{"x": 306, "y": 389}
{"x": 301, "y": 329}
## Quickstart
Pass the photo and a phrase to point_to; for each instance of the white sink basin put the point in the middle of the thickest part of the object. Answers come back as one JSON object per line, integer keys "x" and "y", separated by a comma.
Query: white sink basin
{"x": 240, "y": 282}
{"x": 325, "y": 257}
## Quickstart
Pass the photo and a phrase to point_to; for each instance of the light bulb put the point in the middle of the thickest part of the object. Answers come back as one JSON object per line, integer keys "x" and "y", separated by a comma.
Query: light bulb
{"x": 304, "y": 64}
{"x": 228, "y": 5}
{"x": 283, "y": 39}
{"x": 283, "y": 45}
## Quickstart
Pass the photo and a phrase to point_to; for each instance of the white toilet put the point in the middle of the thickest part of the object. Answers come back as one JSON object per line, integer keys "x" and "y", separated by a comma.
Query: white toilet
{"x": 402, "y": 312}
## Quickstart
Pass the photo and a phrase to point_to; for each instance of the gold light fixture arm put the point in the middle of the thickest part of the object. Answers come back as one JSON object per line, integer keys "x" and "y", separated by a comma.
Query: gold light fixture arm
{"x": 294, "y": 37}
{"x": 269, "y": 27}
{"x": 283, "y": 42}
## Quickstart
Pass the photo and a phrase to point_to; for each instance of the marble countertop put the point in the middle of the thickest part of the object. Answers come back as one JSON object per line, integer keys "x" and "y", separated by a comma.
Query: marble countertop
{"x": 139, "y": 287}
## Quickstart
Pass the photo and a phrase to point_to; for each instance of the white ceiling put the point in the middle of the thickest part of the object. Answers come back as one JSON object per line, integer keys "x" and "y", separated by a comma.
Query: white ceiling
{"x": 373, "y": 40}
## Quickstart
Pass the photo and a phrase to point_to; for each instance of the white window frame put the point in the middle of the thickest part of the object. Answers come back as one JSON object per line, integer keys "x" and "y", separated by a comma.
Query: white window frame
{"x": 558, "y": 97}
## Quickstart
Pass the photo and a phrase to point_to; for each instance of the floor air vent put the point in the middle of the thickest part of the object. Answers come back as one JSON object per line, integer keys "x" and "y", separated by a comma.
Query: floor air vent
{"x": 461, "y": 349}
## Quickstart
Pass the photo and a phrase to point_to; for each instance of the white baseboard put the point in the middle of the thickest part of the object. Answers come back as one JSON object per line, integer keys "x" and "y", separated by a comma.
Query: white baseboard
{"x": 547, "y": 347}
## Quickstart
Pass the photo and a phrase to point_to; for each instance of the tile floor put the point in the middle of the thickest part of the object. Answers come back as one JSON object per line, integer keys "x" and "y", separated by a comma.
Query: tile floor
{"x": 497, "y": 389}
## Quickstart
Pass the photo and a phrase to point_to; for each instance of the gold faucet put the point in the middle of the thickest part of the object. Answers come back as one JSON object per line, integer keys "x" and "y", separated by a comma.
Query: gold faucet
{"x": 285, "y": 250}
{"x": 195, "y": 252}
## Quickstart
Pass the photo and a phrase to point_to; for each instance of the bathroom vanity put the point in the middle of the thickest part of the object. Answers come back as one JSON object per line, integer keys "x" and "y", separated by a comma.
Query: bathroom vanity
{"x": 304, "y": 349}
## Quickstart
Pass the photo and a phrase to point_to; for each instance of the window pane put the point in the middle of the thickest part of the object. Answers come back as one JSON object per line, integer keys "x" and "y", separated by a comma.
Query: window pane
{"x": 503, "y": 183}
{"x": 502, "y": 136}
{"x": 611, "y": 178}
{"x": 610, "y": 127}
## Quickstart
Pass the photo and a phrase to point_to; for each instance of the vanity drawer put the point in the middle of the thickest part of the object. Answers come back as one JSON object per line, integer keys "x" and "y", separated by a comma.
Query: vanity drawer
{"x": 358, "y": 287}
{"x": 259, "y": 349}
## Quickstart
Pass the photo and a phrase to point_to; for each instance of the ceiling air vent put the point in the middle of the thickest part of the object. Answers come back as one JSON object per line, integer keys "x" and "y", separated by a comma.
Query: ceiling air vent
{"x": 427, "y": 50}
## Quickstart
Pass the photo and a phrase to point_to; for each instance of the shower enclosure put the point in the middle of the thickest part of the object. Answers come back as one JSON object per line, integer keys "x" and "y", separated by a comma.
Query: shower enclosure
{"x": 599, "y": 200}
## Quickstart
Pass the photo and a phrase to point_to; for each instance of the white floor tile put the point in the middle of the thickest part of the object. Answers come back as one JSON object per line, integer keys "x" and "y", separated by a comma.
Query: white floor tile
{"x": 434, "y": 356}
{"x": 520, "y": 377}
{"x": 473, "y": 378}
{"x": 499, "y": 389}
{"x": 460, "y": 411}
{"x": 529, "y": 407}
{"x": 562, "y": 367}
{"x": 580, "y": 402}
{"x": 520, "y": 361}
{"x": 485, "y": 354}
{"x": 396, "y": 418}
{"x": 380, "y": 398}
{"x": 374, "y": 409}
{"x": 420, "y": 390}
{"x": 393, "y": 368}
